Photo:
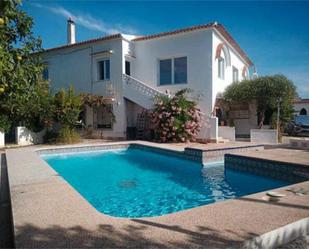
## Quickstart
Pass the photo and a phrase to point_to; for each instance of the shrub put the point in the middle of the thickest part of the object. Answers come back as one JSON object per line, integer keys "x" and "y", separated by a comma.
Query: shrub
{"x": 267, "y": 92}
{"x": 65, "y": 108}
{"x": 67, "y": 135}
{"x": 176, "y": 119}
{"x": 4, "y": 123}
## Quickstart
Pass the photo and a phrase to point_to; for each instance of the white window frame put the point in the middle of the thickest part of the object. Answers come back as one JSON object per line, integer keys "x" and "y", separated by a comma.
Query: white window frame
{"x": 172, "y": 70}
{"x": 222, "y": 67}
{"x": 234, "y": 69}
{"x": 98, "y": 69}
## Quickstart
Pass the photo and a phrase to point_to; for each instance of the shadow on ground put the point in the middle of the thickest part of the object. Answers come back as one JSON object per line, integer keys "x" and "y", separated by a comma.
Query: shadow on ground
{"x": 6, "y": 231}
{"x": 130, "y": 236}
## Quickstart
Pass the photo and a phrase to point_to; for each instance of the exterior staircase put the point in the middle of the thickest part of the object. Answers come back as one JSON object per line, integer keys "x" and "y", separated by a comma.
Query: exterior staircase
{"x": 139, "y": 92}
{"x": 142, "y": 126}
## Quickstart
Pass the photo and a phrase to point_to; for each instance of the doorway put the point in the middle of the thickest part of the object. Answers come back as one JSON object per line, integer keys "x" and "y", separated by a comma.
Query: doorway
{"x": 128, "y": 68}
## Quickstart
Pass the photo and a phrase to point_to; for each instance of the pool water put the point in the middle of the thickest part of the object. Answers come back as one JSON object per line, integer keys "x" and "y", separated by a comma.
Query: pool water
{"x": 137, "y": 183}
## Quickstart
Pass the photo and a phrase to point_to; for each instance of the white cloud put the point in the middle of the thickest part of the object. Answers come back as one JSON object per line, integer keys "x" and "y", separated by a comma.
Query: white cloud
{"x": 88, "y": 21}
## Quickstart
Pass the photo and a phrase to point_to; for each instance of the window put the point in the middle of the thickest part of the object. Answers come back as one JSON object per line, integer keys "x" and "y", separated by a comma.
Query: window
{"x": 235, "y": 74}
{"x": 128, "y": 68}
{"x": 180, "y": 70}
{"x": 221, "y": 68}
{"x": 104, "y": 117}
{"x": 165, "y": 72}
{"x": 173, "y": 71}
{"x": 103, "y": 70}
{"x": 45, "y": 73}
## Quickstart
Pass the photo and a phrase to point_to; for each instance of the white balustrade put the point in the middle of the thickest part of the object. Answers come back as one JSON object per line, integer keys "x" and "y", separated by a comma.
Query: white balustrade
{"x": 141, "y": 87}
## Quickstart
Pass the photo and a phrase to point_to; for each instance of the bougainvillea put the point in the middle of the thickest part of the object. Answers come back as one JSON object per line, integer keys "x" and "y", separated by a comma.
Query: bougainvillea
{"x": 176, "y": 119}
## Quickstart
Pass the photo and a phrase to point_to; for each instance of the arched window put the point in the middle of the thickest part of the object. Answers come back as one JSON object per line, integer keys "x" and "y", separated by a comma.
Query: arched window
{"x": 245, "y": 73}
{"x": 303, "y": 111}
{"x": 221, "y": 68}
{"x": 224, "y": 59}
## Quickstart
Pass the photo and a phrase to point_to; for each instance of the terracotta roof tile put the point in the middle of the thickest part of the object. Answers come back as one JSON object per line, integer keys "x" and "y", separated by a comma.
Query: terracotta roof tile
{"x": 301, "y": 101}
{"x": 174, "y": 32}
{"x": 233, "y": 43}
{"x": 104, "y": 38}
{"x": 217, "y": 26}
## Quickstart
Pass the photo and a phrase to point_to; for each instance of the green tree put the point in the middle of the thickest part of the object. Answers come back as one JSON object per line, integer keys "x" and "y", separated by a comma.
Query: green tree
{"x": 24, "y": 97}
{"x": 267, "y": 92}
{"x": 66, "y": 108}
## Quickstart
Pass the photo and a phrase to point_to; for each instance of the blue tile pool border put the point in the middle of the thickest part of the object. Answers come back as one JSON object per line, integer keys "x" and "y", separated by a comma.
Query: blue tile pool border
{"x": 290, "y": 172}
{"x": 169, "y": 152}
{"x": 192, "y": 154}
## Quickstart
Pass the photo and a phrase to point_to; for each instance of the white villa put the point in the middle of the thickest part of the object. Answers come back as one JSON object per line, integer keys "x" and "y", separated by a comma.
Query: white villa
{"x": 301, "y": 106}
{"x": 134, "y": 69}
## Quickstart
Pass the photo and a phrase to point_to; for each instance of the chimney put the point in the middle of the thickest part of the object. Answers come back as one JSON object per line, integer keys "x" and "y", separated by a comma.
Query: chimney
{"x": 255, "y": 75}
{"x": 71, "y": 31}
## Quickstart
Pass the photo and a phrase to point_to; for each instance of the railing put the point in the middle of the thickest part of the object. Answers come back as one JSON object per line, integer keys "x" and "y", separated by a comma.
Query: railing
{"x": 141, "y": 87}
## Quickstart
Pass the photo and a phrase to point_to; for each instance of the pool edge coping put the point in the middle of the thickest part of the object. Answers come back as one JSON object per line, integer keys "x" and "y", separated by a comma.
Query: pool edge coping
{"x": 35, "y": 150}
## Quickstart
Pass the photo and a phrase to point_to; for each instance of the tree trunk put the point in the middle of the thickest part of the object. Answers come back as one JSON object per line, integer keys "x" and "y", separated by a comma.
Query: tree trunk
{"x": 262, "y": 118}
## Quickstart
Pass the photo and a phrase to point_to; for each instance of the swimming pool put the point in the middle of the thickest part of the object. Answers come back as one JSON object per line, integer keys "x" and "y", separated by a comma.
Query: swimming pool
{"x": 137, "y": 183}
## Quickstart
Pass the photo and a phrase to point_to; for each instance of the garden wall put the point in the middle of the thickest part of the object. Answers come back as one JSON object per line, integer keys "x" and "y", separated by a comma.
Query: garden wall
{"x": 27, "y": 137}
{"x": 2, "y": 143}
{"x": 265, "y": 136}
{"x": 226, "y": 132}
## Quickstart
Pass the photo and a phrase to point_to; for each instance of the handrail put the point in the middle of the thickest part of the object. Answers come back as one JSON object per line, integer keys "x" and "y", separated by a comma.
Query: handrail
{"x": 139, "y": 85}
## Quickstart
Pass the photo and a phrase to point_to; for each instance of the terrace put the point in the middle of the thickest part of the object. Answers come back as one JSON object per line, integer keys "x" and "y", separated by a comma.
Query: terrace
{"x": 48, "y": 212}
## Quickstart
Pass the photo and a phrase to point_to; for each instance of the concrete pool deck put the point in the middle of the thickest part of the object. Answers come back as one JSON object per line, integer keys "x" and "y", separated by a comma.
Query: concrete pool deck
{"x": 282, "y": 155}
{"x": 48, "y": 212}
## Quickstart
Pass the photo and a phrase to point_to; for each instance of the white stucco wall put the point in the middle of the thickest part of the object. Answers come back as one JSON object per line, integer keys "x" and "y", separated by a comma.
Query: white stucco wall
{"x": 2, "y": 142}
{"x": 27, "y": 137}
{"x": 219, "y": 85}
{"x": 196, "y": 46}
{"x": 226, "y": 132}
{"x": 298, "y": 106}
{"x": 265, "y": 136}
{"x": 77, "y": 66}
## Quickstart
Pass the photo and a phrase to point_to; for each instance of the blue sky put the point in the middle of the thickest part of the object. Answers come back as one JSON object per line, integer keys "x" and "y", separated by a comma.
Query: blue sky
{"x": 275, "y": 35}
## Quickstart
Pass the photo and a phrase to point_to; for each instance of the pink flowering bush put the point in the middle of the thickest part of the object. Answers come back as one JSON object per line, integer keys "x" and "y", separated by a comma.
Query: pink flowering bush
{"x": 176, "y": 119}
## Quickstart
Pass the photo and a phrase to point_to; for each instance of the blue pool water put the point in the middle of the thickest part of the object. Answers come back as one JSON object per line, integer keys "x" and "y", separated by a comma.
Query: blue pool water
{"x": 137, "y": 183}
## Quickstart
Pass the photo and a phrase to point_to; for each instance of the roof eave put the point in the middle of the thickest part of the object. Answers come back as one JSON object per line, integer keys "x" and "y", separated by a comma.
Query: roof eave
{"x": 105, "y": 38}
{"x": 227, "y": 36}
